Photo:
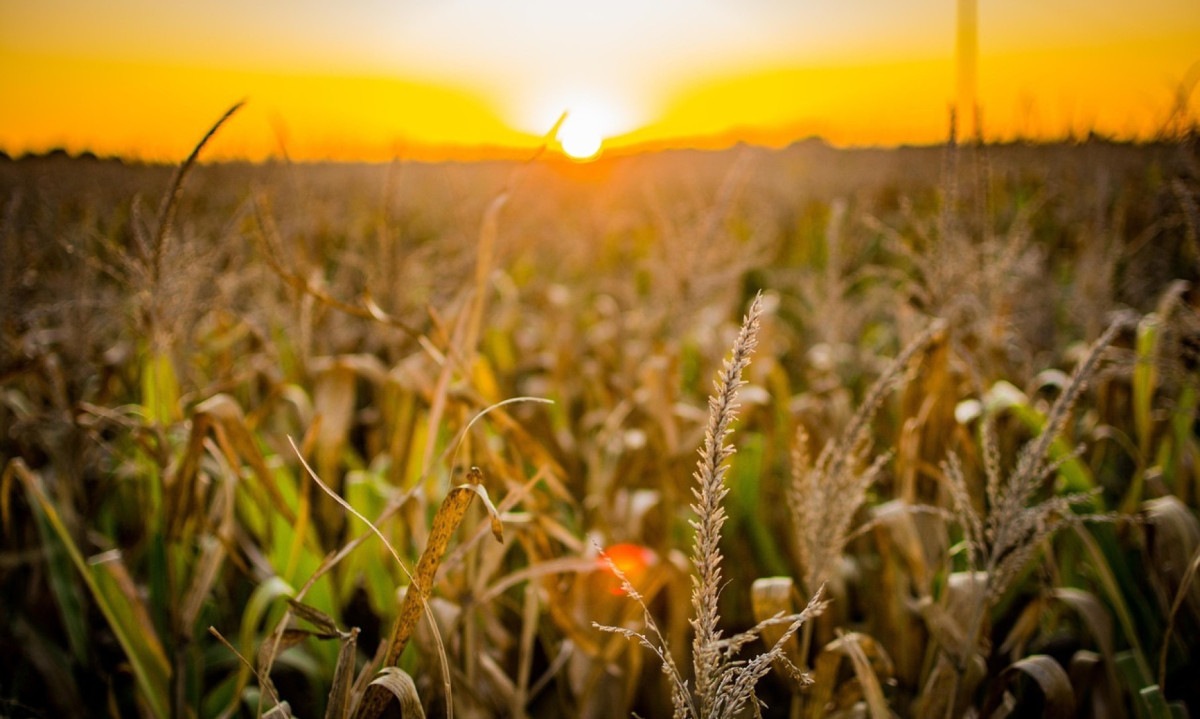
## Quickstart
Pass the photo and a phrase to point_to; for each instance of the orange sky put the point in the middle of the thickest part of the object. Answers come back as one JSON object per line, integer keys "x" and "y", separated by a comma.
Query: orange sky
{"x": 369, "y": 79}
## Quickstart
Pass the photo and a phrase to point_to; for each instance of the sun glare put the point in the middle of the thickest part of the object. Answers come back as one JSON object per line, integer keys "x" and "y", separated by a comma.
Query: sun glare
{"x": 580, "y": 137}
{"x": 595, "y": 117}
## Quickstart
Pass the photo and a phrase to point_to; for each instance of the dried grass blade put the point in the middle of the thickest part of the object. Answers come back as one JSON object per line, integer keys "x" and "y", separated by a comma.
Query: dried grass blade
{"x": 493, "y": 514}
{"x": 529, "y": 624}
{"x": 397, "y": 681}
{"x": 248, "y": 667}
{"x": 396, "y": 556}
{"x": 208, "y": 566}
{"x": 774, "y": 597}
{"x": 1095, "y": 617}
{"x": 1185, "y": 586}
{"x": 343, "y": 678}
{"x": 322, "y": 621}
{"x": 166, "y": 211}
{"x": 852, "y": 645}
{"x": 445, "y": 522}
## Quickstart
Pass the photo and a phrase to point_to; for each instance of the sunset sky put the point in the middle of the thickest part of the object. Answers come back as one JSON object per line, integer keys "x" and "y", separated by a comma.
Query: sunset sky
{"x": 367, "y": 79}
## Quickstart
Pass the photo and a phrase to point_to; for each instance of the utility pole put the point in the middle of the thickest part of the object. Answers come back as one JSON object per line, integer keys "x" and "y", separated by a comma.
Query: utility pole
{"x": 966, "y": 51}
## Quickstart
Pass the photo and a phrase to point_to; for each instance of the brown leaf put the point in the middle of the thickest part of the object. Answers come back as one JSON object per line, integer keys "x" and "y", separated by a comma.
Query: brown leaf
{"x": 343, "y": 678}
{"x": 448, "y": 517}
{"x": 333, "y": 401}
{"x": 867, "y": 658}
{"x": 322, "y": 621}
{"x": 1051, "y": 678}
{"x": 771, "y": 597}
{"x": 400, "y": 684}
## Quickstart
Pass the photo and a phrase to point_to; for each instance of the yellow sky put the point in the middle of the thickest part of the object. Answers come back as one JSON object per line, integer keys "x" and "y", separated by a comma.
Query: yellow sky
{"x": 371, "y": 79}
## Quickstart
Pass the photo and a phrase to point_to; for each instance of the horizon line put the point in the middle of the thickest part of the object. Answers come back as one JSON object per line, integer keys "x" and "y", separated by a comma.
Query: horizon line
{"x": 719, "y": 142}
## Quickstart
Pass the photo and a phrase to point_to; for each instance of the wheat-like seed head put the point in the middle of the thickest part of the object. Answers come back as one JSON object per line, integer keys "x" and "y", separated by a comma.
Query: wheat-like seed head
{"x": 723, "y": 683}
{"x": 709, "y": 491}
{"x": 1014, "y": 529}
{"x": 825, "y": 496}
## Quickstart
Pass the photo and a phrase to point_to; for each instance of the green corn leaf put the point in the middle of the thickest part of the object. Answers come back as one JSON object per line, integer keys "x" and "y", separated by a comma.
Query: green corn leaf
{"x": 1145, "y": 380}
{"x": 66, "y": 591}
{"x": 1075, "y": 475}
{"x": 118, "y": 603}
{"x": 160, "y": 389}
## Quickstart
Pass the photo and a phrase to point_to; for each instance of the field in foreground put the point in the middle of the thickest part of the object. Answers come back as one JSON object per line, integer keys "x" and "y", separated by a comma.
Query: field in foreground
{"x": 968, "y": 423}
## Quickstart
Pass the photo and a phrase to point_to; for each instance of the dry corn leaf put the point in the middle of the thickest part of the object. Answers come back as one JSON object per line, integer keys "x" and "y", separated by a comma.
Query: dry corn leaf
{"x": 204, "y": 575}
{"x": 938, "y": 691}
{"x": 1174, "y": 542}
{"x": 772, "y": 597}
{"x": 282, "y": 710}
{"x": 1051, "y": 679}
{"x": 223, "y": 416}
{"x": 500, "y": 687}
{"x": 1095, "y": 616}
{"x": 322, "y": 621}
{"x": 287, "y": 639}
{"x": 897, "y": 530}
{"x": 867, "y": 659}
{"x": 1187, "y": 583}
{"x": 449, "y": 516}
{"x": 1024, "y": 629}
{"x": 339, "y": 706}
{"x": 911, "y": 542}
{"x": 333, "y": 402}
{"x": 397, "y": 681}
{"x": 530, "y": 611}
{"x": 1093, "y": 696}
{"x": 949, "y": 635}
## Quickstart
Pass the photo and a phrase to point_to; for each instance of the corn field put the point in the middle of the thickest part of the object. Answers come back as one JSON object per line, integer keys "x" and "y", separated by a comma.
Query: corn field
{"x": 797, "y": 433}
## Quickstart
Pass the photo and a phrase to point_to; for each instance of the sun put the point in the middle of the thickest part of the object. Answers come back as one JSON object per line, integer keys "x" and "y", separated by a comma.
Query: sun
{"x": 580, "y": 137}
{"x": 583, "y": 121}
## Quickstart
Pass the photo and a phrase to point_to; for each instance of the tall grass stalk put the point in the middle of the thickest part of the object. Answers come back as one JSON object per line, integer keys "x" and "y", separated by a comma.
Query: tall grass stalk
{"x": 723, "y": 683}
{"x": 1016, "y": 527}
{"x": 825, "y": 495}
